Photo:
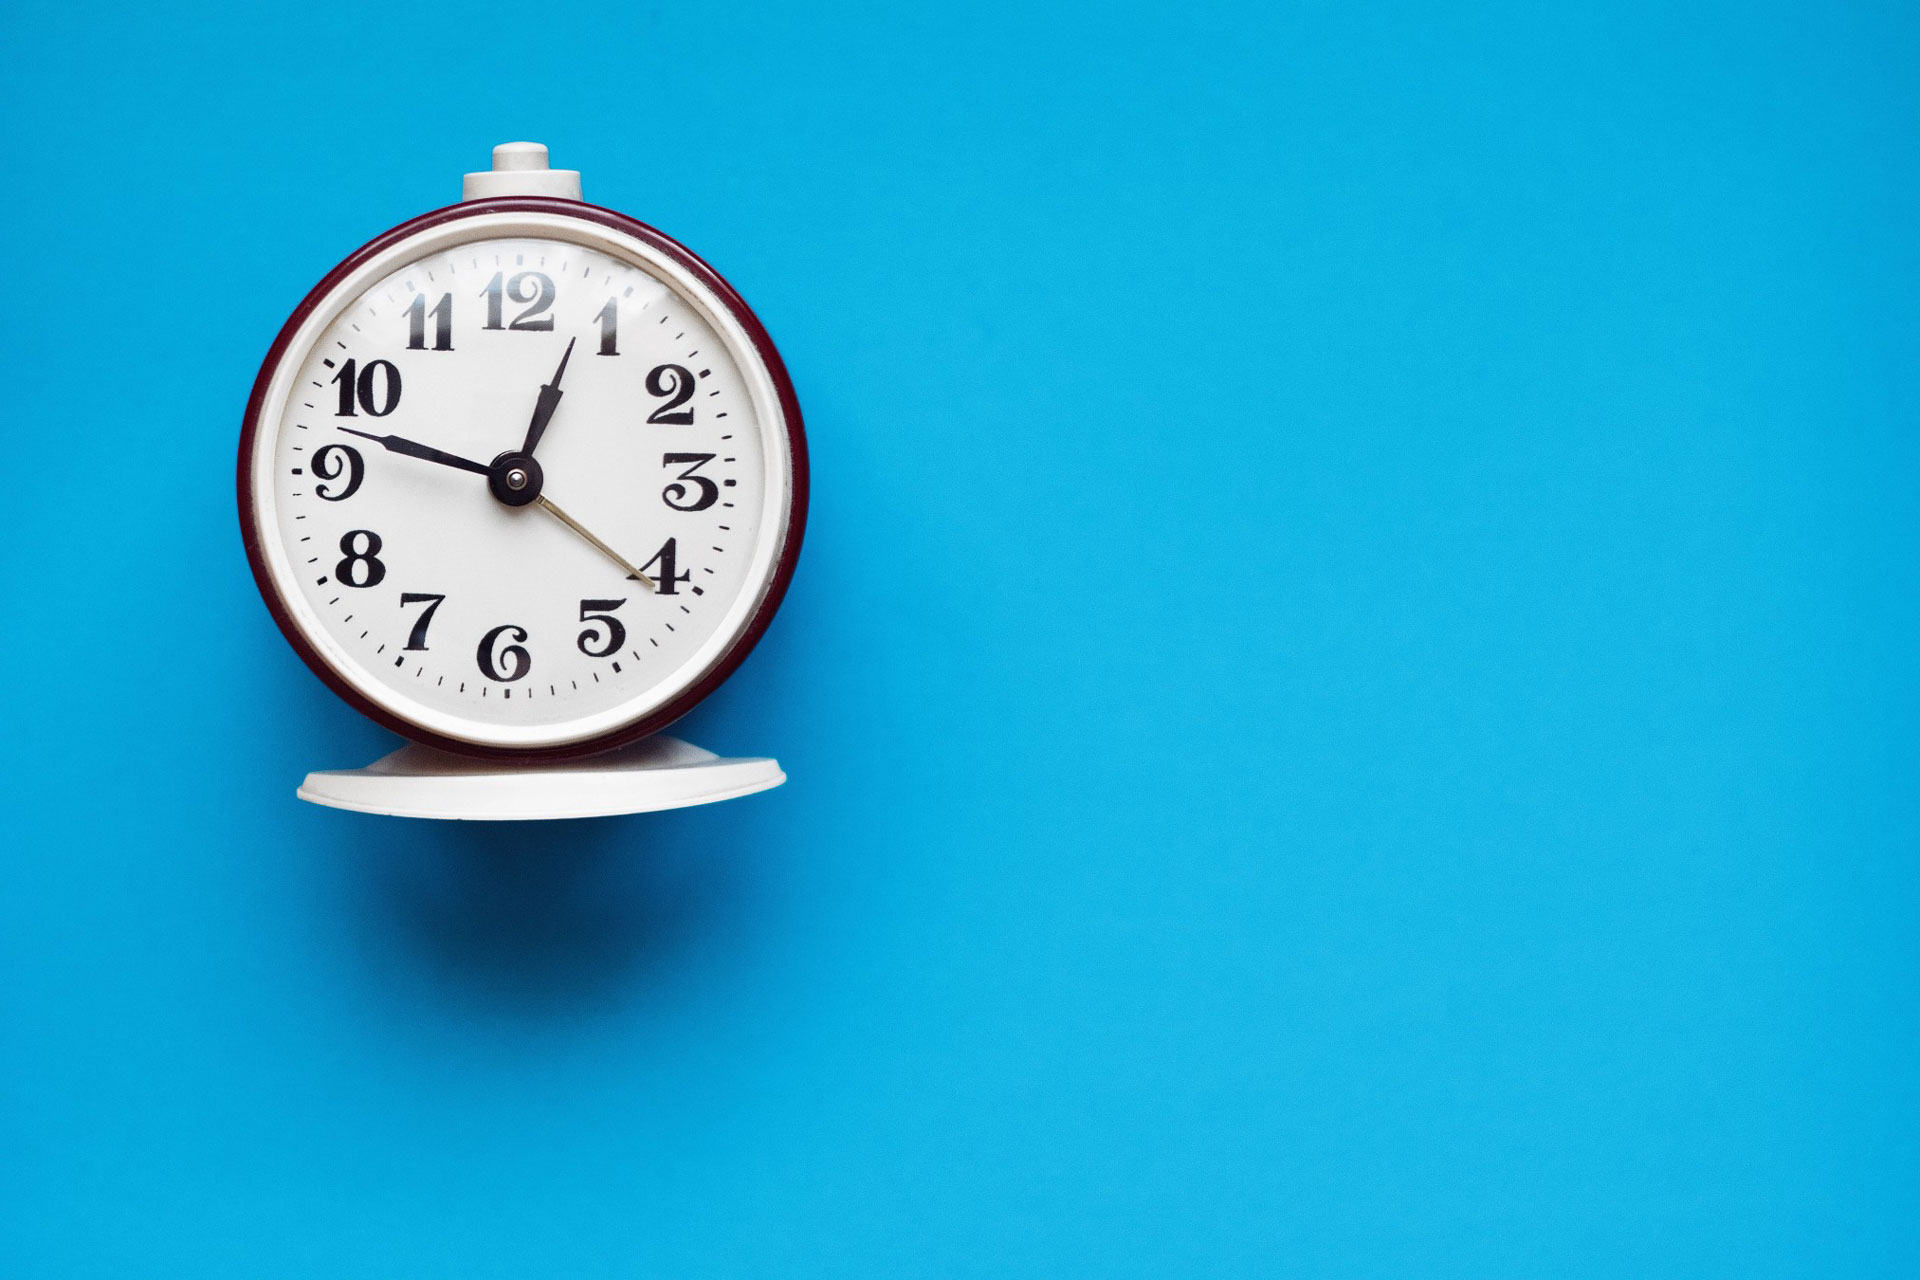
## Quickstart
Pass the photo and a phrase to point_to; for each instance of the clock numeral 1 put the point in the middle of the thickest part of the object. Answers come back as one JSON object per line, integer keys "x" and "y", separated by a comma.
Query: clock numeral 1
{"x": 518, "y": 659}
{"x": 609, "y": 319}
{"x": 417, "y": 638}
{"x": 361, "y": 566}
{"x": 601, "y": 611}
{"x": 676, "y": 382}
{"x": 442, "y": 314}
{"x": 667, "y": 579}
{"x": 526, "y": 286}
{"x": 357, "y": 385}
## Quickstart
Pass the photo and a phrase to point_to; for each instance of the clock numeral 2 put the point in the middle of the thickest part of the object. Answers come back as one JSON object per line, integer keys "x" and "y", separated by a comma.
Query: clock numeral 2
{"x": 417, "y": 638}
{"x": 362, "y": 566}
{"x": 667, "y": 579}
{"x": 442, "y": 314}
{"x": 671, "y": 380}
{"x": 601, "y": 611}
{"x": 517, "y": 658}
{"x": 527, "y": 286}
{"x": 357, "y": 385}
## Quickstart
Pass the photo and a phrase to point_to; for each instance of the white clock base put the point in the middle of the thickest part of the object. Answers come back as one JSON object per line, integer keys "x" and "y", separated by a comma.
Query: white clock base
{"x": 654, "y": 773}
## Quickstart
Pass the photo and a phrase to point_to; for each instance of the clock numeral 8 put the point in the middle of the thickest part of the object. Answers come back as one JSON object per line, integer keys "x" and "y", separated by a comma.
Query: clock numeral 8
{"x": 518, "y": 659}
{"x": 362, "y": 566}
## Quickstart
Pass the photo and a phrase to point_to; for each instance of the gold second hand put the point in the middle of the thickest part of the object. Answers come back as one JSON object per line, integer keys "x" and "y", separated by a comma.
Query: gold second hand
{"x": 547, "y": 504}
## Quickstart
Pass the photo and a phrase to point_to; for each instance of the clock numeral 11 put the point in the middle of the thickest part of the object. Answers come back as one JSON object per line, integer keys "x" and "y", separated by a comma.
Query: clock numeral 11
{"x": 442, "y": 314}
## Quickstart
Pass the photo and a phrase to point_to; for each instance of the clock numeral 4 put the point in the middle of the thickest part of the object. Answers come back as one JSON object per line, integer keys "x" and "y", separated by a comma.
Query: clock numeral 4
{"x": 330, "y": 462}
{"x": 417, "y": 638}
{"x": 532, "y": 287}
{"x": 357, "y": 385}
{"x": 675, "y": 494}
{"x": 590, "y": 641}
{"x": 516, "y": 658}
{"x": 362, "y": 566}
{"x": 668, "y": 581}
{"x": 442, "y": 314}
{"x": 675, "y": 382}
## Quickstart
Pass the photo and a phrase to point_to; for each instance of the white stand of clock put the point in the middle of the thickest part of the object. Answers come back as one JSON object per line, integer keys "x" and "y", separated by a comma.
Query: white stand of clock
{"x": 655, "y": 773}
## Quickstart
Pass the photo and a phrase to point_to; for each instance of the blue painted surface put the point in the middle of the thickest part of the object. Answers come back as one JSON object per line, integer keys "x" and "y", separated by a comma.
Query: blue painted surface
{"x": 1350, "y": 697}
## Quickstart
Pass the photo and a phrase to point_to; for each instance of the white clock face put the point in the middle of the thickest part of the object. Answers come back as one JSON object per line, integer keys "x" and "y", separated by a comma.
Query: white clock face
{"x": 521, "y": 483}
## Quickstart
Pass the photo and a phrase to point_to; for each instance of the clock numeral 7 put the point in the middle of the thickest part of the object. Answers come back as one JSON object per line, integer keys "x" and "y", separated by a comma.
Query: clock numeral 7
{"x": 442, "y": 314}
{"x": 417, "y": 638}
{"x": 668, "y": 581}
{"x": 675, "y": 494}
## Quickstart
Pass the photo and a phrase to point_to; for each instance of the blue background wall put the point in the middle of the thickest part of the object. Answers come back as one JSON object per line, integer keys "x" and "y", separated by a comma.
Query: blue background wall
{"x": 1350, "y": 697}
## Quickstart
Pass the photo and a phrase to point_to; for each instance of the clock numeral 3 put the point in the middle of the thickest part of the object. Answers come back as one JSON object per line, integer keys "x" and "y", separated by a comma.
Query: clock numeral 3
{"x": 667, "y": 579}
{"x": 357, "y": 384}
{"x": 417, "y": 638}
{"x": 442, "y": 314}
{"x": 674, "y": 381}
{"x": 518, "y": 659}
{"x": 601, "y": 611}
{"x": 362, "y": 566}
{"x": 676, "y": 493}
{"x": 330, "y": 462}
{"x": 526, "y": 286}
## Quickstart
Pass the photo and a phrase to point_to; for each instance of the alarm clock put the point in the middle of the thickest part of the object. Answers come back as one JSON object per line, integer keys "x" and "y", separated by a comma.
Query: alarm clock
{"x": 523, "y": 478}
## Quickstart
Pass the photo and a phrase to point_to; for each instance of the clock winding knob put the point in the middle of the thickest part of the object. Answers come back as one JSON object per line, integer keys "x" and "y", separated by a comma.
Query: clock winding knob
{"x": 520, "y": 169}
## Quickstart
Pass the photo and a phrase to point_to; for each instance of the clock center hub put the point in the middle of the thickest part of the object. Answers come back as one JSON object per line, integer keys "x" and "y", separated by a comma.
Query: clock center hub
{"x": 515, "y": 478}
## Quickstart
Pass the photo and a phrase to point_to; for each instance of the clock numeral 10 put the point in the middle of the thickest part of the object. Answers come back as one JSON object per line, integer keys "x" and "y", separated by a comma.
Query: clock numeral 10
{"x": 357, "y": 385}
{"x": 442, "y": 314}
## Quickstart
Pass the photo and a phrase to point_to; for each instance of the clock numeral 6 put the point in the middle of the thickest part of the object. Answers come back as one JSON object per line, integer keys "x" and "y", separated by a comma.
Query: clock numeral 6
{"x": 417, "y": 638}
{"x": 601, "y": 611}
{"x": 675, "y": 494}
{"x": 667, "y": 579}
{"x": 362, "y": 566}
{"x": 330, "y": 462}
{"x": 671, "y": 380}
{"x": 526, "y": 286}
{"x": 518, "y": 660}
{"x": 357, "y": 384}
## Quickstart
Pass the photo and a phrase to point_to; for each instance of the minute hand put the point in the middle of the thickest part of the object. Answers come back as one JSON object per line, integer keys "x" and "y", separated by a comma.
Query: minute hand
{"x": 426, "y": 452}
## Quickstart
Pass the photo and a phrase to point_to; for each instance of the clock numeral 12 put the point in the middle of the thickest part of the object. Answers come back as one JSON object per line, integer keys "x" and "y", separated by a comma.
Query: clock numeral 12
{"x": 527, "y": 286}
{"x": 442, "y": 314}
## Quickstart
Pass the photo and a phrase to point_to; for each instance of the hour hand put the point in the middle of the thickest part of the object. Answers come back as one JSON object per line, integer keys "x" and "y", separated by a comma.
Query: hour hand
{"x": 426, "y": 452}
{"x": 548, "y": 401}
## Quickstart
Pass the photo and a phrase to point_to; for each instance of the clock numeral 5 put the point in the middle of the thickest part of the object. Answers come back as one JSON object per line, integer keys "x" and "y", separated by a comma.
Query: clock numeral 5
{"x": 330, "y": 462}
{"x": 417, "y": 638}
{"x": 675, "y": 494}
{"x": 442, "y": 314}
{"x": 601, "y": 611}
{"x": 518, "y": 659}
{"x": 357, "y": 384}
{"x": 526, "y": 286}
{"x": 667, "y": 579}
{"x": 362, "y": 566}
{"x": 671, "y": 380}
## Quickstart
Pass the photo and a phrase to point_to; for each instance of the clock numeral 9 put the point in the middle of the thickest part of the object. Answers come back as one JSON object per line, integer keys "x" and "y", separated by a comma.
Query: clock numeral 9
{"x": 526, "y": 286}
{"x": 601, "y": 611}
{"x": 671, "y": 380}
{"x": 330, "y": 462}
{"x": 442, "y": 314}
{"x": 518, "y": 659}
{"x": 676, "y": 493}
{"x": 668, "y": 581}
{"x": 362, "y": 566}
{"x": 357, "y": 384}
